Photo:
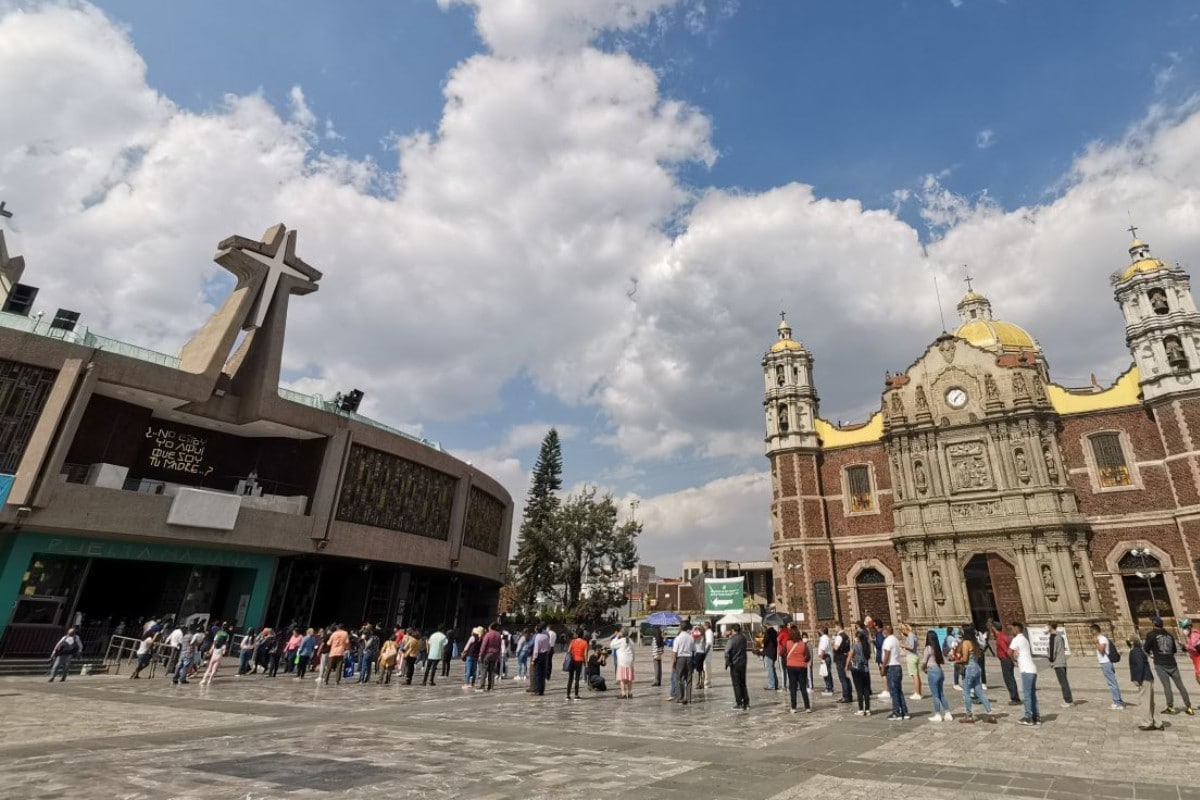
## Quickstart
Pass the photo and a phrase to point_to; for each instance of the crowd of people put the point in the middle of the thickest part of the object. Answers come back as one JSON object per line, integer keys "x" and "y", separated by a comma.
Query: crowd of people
{"x": 835, "y": 661}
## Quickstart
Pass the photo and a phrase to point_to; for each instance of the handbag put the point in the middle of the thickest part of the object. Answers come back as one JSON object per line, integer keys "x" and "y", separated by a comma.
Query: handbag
{"x": 566, "y": 665}
{"x": 824, "y": 670}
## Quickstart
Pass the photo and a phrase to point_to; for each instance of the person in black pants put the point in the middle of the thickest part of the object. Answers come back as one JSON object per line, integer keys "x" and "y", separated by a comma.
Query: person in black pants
{"x": 577, "y": 652}
{"x": 735, "y": 662}
{"x": 447, "y": 654}
{"x": 840, "y": 651}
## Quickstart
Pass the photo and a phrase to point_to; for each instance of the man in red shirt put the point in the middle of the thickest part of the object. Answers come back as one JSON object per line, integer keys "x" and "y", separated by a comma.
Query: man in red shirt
{"x": 1004, "y": 654}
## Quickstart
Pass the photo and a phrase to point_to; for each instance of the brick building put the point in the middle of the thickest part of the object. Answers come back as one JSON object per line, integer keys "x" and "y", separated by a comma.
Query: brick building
{"x": 983, "y": 490}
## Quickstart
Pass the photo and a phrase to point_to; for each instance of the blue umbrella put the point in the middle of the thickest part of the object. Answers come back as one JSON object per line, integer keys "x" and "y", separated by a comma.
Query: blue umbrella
{"x": 659, "y": 618}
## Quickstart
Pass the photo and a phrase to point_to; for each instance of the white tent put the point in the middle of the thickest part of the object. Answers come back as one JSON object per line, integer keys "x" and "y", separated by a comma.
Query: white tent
{"x": 743, "y": 618}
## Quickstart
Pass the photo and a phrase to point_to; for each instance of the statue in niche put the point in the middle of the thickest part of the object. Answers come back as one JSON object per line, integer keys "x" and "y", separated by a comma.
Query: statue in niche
{"x": 1051, "y": 465}
{"x": 989, "y": 386}
{"x": 922, "y": 403}
{"x": 936, "y": 579}
{"x": 1078, "y": 571}
{"x": 1048, "y": 579}
{"x": 919, "y": 478}
{"x": 1019, "y": 387}
{"x": 1022, "y": 464}
{"x": 897, "y": 405}
{"x": 897, "y": 478}
{"x": 1039, "y": 390}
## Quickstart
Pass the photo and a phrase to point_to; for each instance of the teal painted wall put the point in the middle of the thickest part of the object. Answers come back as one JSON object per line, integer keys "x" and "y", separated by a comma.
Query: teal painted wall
{"x": 22, "y": 547}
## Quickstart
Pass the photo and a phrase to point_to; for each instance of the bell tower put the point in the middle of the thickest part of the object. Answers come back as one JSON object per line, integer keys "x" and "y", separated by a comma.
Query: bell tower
{"x": 789, "y": 399}
{"x": 1162, "y": 326}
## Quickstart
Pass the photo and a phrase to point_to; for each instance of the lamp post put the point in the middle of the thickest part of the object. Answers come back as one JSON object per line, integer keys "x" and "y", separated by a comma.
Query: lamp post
{"x": 1145, "y": 574}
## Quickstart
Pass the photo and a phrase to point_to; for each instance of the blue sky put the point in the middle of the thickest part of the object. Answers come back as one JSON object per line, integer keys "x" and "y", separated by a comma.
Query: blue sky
{"x": 1016, "y": 136}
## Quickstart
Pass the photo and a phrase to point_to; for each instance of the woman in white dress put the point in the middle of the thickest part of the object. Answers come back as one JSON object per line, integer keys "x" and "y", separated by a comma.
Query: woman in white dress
{"x": 623, "y": 649}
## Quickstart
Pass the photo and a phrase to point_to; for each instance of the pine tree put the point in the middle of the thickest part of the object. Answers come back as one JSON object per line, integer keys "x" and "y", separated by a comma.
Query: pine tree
{"x": 533, "y": 564}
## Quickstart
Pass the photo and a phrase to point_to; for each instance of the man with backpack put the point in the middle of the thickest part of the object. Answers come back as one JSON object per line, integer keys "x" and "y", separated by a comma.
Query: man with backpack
{"x": 841, "y": 649}
{"x": 1107, "y": 654}
{"x": 1162, "y": 648}
{"x": 67, "y": 648}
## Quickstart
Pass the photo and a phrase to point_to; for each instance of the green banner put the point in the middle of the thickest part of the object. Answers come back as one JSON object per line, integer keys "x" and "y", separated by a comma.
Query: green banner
{"x": 723, "y": 595}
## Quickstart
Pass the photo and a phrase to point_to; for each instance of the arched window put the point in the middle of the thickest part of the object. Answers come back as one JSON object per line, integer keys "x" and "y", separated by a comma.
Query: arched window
{"x": 1176, "y": 356}
{"x": 870, "y": 575}
{"x": 1145, "y": 586}
{"x": 779, "y": 375}
{"x": 1111, "y": 466}
{"x": 1143, "y": 561}
{"x": 873, "y": 598}
{"x": 784, "y": 424}
{"x": 1158, "y": 301}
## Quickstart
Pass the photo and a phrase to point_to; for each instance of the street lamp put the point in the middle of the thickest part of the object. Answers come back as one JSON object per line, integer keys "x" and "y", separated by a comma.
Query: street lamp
{"x": 1146, "y": 575}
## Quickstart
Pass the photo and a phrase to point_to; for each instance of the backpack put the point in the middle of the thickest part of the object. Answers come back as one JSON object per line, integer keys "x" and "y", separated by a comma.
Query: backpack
{"x": 1165, "y": 645}
{"x": 1114, "y": 655}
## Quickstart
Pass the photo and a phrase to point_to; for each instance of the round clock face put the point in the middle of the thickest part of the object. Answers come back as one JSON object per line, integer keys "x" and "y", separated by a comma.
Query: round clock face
{"x": 956, "y": 398}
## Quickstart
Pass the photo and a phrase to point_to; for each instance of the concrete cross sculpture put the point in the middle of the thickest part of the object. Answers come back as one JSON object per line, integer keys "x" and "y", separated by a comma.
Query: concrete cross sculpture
{"x": 10, "y": 268}
{"x": 276, "y": 251}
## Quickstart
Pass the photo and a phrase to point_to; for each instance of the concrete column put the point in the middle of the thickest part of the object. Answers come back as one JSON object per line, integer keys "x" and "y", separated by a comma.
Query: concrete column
{"x": 58, "y": 403}
{"x": 329, "y": 486}
{"x": 66, "y": 437}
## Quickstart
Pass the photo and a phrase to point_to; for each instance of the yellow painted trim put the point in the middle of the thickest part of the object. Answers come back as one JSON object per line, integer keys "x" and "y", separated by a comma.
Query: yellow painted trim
{"x": 1125, "y": 392}
{"x": 833, "y": 436}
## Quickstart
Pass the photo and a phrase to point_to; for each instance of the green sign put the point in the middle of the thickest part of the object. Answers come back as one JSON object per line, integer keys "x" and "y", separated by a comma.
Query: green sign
{"x": 723, "y": 595}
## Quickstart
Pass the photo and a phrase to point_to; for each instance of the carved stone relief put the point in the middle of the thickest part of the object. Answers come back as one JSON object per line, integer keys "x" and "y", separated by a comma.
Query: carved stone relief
{"x": 947, "y": 349}
{"x": 1039, "y": 390}
{"x": 989, "y": 385}
{"x": 1020, "y": 389}
{"x": 984, "y": 508}
{"x": 1051, "y": 464}
{"x": 968, "y": 466}
{"x": 920, "y": 480}
{"x": 1024, "y": 474}
{"x": 922, "y": 403}
{"x": 897, "y": 405}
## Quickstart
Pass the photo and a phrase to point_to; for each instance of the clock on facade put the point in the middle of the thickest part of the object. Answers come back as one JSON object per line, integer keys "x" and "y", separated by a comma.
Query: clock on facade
{"x": 956, "y": 398}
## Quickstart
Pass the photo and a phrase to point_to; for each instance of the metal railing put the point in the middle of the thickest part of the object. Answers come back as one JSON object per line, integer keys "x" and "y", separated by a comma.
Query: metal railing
{"x": 318, "y": 402}
{"x": 82, "y": 336}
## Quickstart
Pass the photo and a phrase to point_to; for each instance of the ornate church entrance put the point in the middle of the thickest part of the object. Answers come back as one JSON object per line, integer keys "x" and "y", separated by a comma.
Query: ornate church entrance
{"x": 992, "y": 590}
{"x": 873, "y": 598}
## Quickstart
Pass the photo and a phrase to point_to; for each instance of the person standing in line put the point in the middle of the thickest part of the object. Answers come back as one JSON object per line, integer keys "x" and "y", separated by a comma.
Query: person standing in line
{"x": 684, "y": 648}
{"x": 841, "y": 649}
{"x": 290, "y": 650}
{"x": 1057, "y": 654}
{"x": 145, "y": 652}
{"x": 187, "y": 652}
{"x": 893, "y": 660}
{"x": 656, "y": 653}
{"x": 577, "y": 650}
{"x": 174, "y": 645}
{"x": 1106, "y": 651}
{"x": 770, "y": 654}
{"x": 246, "y": 652}
{"x": 858, "y": 662}
{"x": 781, "y": 645}
{"x": 825, "y": 657}
{"x": 985, "y": 646}
{"x": 1141, "y": 675}
{"x": 448, "y": 653}
{"x": 1007, "y": 662}
{"x": 368, "y": 652}
{"x": 699, "y": 655}
{"x": 339, "y": 643}
{"x": 541, "y": 656}
{"x": 1162, "y": 648}
{"x": 215, "y": 654}
{"x": 735, "y": 661}
{"x": 505, "y": 651}
{"x": 435, "y": 648}
{"x": 470, "y": 657}
{"x": 489, "y": 655}
{"x": 710, "y": 643}
{"x": 524, "y": 646}
{"x": 911, "y": 658}
{"x": 389, "y": 654}
{"x": 412, "y": 653}
{"x": 931, "y": 664}
{"x": 1021, "y": 651}
{"x": 1191, "y": 643}
{"x": 796, "y": 660}
{"x": 304, "y": 653}
{"x": 950, "y": 650}
{"x": 66, "y": 649}
{"x": 972, "y": 680}
{"x": 552, "y": 638}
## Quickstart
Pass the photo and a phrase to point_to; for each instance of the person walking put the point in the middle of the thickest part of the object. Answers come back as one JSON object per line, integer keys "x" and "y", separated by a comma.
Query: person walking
{"x": 1006, "y": 659}
{"x": 339, "y": 643}
{"x": 932, "y": 661}
{"x": 893, "y": 660}
{"x": 911, "y": 658}
{"x": 1107, "y": 655}
{"x": 215, "y": 654}
{"x": 623, "y": 653}
{"x": 796, "y": 660}
{"x": 187, "y": 654}
{"x": 1021, "y": 651}
{"x": 684, "y": 647}
{"x": 470, "y": 657}
{"x": 1057, "y": 654}
{"x": 304, "y": 653}
{"x": 735, "y": 661}
{"x": 69, "y": 646}
{"x": 145, "y": 652}
{"x": 246, "y": 652}
{"x": 1191, "y": 642}
{"x": 858, "y": 662}
{"x": 290, "y": 650}
{"x": 1143, "y": 677}
{"x": 436, "y": 646}
{"x": 972, "y": 683}
{"x": 1162, "y": 648}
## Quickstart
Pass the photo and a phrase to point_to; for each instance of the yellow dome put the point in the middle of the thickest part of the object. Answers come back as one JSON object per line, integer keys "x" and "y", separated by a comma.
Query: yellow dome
{"x": 996, "y": 335}
{"x": 1142, "y": 265}
{"x": 785, "y": 344}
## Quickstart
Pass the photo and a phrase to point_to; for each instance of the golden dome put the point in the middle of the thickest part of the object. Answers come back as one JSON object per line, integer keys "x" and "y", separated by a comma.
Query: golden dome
{"x": 996, "y": 335}
{"x": 786, "y": 344}
{"x": 1143, "y": 262}
{"x": 971, "y": 296}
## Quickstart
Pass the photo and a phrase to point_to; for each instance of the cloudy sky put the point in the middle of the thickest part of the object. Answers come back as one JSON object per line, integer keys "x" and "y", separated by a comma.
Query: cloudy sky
{"x": 589, "y": 213}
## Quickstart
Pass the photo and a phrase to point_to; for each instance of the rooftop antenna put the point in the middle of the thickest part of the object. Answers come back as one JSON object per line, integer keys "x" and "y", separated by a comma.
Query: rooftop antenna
{"x": 941, "y": 311}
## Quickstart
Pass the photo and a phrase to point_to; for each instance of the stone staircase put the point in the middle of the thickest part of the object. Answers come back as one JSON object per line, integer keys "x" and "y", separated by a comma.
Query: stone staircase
{"x": 12, "y": 667}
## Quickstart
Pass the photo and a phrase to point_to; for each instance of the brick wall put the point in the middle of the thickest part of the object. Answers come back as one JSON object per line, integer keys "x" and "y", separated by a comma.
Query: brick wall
{"x": 832, "y": 466}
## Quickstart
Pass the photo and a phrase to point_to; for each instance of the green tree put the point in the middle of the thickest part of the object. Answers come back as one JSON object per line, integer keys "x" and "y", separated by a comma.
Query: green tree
{"x": 533, "y": 564}
{"x": 594, "y": 553}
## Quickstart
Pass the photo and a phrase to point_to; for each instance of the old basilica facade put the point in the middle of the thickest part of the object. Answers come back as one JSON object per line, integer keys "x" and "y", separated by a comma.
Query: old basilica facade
{"x": 982, "y": 490}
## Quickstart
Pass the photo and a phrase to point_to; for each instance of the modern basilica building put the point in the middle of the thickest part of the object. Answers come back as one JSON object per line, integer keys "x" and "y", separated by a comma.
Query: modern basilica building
{"x": 982, "y": 490}
{"x": 138, "y": 484}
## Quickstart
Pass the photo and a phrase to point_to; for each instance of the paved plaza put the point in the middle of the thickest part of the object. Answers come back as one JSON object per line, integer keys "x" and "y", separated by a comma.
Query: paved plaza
{"x": 105, "y": 736}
